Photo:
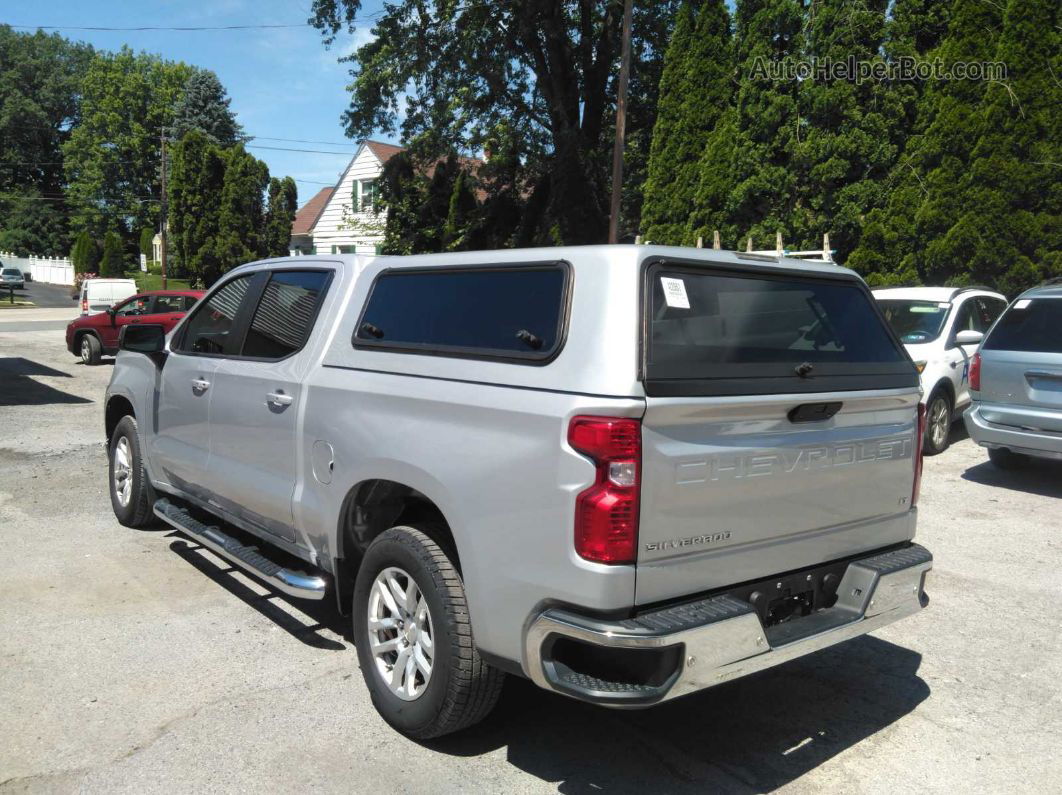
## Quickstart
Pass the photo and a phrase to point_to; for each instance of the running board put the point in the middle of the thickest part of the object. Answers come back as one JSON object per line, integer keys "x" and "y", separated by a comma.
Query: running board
{"x": 293, "y": 583}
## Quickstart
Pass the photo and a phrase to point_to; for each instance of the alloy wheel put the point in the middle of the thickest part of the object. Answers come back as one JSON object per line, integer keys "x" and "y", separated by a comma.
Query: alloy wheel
{"x": 123, "y": 471}
{"x": 401, "y": 636}
{"x": 938, "y": 421}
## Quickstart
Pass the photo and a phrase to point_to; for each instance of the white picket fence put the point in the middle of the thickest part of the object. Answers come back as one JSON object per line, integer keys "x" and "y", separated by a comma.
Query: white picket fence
{"x": 51, "y": 270}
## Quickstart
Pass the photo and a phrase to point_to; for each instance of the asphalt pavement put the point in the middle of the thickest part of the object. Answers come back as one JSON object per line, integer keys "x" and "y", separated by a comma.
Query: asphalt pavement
{"x": 135, "y": 661}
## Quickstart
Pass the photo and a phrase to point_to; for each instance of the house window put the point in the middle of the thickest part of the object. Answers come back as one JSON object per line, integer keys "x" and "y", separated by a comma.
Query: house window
{"x": 367, "y": 195}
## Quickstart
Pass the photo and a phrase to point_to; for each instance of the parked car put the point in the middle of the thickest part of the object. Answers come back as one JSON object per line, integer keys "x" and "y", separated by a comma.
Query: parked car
{"x": 12, "y": 277}
{"x": 99, "y": 295}
{"x": 941, "y": 328}
{"x": 628, "y": 473}
{"x": 96, "y": 335}
{"x": 1016, "y": 381}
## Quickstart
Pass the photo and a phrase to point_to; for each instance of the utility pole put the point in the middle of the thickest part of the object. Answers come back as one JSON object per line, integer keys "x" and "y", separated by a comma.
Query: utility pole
{"x": 162, "y": 227}
{"x": 621, "y": 121}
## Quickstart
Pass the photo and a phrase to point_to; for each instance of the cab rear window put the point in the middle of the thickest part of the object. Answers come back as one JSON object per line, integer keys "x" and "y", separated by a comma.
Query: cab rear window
{"x": 1031, "y": 325}
{"x": 758, "y": 332}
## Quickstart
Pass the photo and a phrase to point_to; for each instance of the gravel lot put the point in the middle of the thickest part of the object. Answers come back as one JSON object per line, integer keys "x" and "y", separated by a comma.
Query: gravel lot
{"x": 135, "y": 661}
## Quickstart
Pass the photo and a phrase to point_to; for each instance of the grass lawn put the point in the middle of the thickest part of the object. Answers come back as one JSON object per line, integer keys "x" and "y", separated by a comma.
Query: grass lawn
{"x": 153, "y": 281}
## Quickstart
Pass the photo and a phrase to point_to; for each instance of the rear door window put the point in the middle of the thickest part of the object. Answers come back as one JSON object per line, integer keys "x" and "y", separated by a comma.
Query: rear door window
{"x": 285, "y": 313}
{"x": 513, "y": 312}
{"x": 724, "y": 332}
{"x": 1031, "y": 325}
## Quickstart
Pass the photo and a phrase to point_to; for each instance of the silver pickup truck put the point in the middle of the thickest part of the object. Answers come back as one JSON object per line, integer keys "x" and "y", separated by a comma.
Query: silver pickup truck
{"x": 627, "y": 473}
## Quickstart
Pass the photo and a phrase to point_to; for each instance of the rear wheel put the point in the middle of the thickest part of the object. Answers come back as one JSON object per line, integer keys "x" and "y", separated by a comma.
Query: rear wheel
{"x": 91, "y": 350}
{"x": 1005, "y": 459}
{"x": 414, "y": 638}
{"x": 938, "y": 422}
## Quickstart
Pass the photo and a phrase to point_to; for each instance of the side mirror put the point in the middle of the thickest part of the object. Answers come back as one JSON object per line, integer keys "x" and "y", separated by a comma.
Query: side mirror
{"x": 149, "y": 339}
{"x": 969, "y": 337}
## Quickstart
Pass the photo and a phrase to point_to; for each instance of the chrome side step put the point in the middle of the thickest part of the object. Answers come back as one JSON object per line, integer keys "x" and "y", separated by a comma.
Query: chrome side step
{"x": 293, "y": 583}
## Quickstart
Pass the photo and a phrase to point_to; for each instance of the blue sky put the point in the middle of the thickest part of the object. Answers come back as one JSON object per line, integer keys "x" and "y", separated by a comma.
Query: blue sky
{"x": 283, "y": 82}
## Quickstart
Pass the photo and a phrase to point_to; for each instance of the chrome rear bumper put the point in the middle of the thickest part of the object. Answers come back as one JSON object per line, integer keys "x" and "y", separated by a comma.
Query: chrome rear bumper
{"x": 721, "y": 638}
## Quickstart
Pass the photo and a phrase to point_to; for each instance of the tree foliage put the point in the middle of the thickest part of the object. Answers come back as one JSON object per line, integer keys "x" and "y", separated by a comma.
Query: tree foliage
{"x": 241, "y": 215}
{"x": 695, "y": 90}
{"x": 39, "y": 103}
{"x": 112, "y": 263}
{"x": 85, "y": 254}
{"x": 147, "y": 241}
{"x": 536, "y": 73}
{"x": 280, "y": 213}
{"x": 112, "y": 156}
{"x": 196, "y": 178}
{"x": 204, "y": 106}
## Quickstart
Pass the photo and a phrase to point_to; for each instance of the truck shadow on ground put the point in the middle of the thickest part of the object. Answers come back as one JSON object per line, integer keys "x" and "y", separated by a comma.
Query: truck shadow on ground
{"x": 751, "y": 735}
{"x": 17, "y": 387}
{"x": 1036, "y": 476}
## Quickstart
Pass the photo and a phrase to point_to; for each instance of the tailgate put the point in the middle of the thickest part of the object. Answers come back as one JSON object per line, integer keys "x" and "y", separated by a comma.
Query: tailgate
{"x": 1021, "y": 367}
{"x": 780, "y": 427}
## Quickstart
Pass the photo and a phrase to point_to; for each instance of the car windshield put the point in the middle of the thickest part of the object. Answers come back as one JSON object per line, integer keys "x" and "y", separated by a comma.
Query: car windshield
{"x": 915, "y": 322}
{"x": 11, "y": 272}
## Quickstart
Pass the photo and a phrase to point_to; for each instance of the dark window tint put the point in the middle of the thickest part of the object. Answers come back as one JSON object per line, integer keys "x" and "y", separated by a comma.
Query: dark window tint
{"x": 165, "y": 304}
{"x": 797, "y": 332}
{"x": 969, "y": 317}
{"x": 915, "y": 322}
{"x": 507, "y": 312}
{"x": 991, "y": 308}
{"x": 188, "y": 302}
{"x": 208, "y": 329}
{"x": 285, "y": 313}
{"x": 1029, "y": 325}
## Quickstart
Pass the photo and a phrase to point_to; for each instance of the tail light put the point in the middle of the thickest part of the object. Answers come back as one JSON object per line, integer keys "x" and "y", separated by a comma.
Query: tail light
{"x": 84, "y": 305}
{"x": 606, "y": 514}
{"x": 975, "y": 373}
{"x": 919, "y": 456}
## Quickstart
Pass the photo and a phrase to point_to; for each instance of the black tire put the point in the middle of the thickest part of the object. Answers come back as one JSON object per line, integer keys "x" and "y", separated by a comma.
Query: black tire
{"x": 1005, "y": 459}
{"x": 90, "y": 349}
{"x": 137, "y": 511}
{"x": 462, "y": 689}
{"x": 936, "y": 442}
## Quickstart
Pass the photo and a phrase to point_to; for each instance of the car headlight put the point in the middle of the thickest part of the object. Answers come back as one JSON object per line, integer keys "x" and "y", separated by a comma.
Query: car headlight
{"x": 920, "y": 366}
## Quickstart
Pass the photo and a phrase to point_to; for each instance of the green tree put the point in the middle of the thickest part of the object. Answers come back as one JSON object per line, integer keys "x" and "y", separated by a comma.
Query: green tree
{"x": 39, "y": 103}
{"x": 901, "y": 241}
{"x": 241, "y": 216}
{"x": 196, "y": 179}
{"x": 204, "y": 106}
{"x": 111, "y": 159}
{"x": 768, "y": 121}
{"x": 112, "y": 263}
{"x": 85, "y": 254}
{"x": 147, "y": 242}
{"x": 543, "y": 68}
{"x": 1009, "y": 233}
{"x": 283, "y": 202}
{"x": 851, "y": 130}
{"x": 461, "y": 214}
{"x": 695, "y": 92}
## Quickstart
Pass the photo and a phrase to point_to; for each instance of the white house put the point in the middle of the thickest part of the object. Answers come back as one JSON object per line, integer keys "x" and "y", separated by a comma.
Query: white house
{"x": 346, "y": 219}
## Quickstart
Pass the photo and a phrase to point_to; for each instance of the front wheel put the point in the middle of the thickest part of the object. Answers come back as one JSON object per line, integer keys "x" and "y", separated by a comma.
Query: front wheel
{"x": 938, "y": 423}
{"x": 132, "y": 497}
{"x": 414, "y": 638}
{"x": 91, "y": 350}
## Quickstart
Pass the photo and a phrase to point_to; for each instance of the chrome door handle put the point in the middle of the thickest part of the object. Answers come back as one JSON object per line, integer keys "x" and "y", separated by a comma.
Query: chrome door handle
{"x": 280, "y": 399}
{"x": 200, "y": 385}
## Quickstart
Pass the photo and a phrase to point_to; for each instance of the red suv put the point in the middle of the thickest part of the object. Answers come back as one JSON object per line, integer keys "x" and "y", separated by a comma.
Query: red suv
{"x": 92, "y": 336}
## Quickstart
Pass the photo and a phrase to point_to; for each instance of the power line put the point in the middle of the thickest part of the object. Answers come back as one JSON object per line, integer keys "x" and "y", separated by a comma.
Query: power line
{"x": 181, "y": 28}
{"x": 287, "y": 149}
{"x": 300, "y": 141}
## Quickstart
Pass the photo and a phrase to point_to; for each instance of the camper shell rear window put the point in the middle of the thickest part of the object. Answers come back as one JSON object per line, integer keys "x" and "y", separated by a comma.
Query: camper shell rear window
{"x": 733, "y": 330}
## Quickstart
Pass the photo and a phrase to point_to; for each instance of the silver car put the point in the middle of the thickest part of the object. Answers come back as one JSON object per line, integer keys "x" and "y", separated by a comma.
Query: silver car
{"x": 12, "y": 277}
{"x": 627, "y": 473}
{"x": 1016, "y": 381}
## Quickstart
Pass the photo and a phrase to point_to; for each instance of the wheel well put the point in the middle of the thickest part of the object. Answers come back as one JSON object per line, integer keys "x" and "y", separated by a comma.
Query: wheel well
{"x": 117, "y": 407}
{"x": 376, "y": 505}
{"x": 370, "y": 508}
{"x": 947, "y": 386}
{"x": 81, "y": 333}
